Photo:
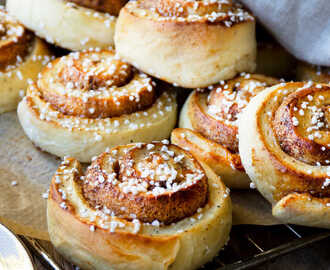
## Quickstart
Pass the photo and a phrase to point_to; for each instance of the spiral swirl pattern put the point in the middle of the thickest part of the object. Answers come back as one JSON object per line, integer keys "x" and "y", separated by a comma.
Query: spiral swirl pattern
{"x": 95, "y": 85}
{"x": 285, "y": 150}
{"x": 162, "y": 180}
{"x": 22, "y": 56}
{"x": 215, "y": 115}
{"x": 14, "y": 42}
{"x": 212, "y": 117}
{"x": 152, "y": 202}
{"x": 89, "y": 101}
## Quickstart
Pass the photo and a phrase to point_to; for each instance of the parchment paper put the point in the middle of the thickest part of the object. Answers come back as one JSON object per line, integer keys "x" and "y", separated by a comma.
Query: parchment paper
{"x": 22, "y": 207}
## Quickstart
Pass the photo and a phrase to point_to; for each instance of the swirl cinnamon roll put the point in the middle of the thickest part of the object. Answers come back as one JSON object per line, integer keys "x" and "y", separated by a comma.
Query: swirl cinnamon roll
{"x": 85, "y": 102}
{"x": 138, "y": 206}
{"x": 307, "y": 72}
{"x": 22, "y": 56}
{"x": 208, "y": 125}
{"x": 71, "y": 24}
{"x": 170, "y": 40}
{"x": 284, "y": 143}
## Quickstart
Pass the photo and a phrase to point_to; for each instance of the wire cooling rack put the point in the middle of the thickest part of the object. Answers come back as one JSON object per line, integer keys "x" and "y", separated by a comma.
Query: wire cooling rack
{"x": 249, "y": 247}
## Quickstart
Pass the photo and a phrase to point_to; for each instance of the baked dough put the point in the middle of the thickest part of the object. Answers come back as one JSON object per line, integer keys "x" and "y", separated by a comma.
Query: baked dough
{"x": 64, "y": 23}
{"x": 22, "y": 56}
{"x": 187, "y": 43}
{"x": 108, "y": 6}
{"x": 96, "y": 237}
{"x": 208, "y": 125}
{"x": 284, "y": 146}
{"x": 85, "y": 102}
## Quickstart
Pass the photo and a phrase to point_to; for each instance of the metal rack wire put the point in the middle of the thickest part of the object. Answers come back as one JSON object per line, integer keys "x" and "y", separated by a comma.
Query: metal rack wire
{"x": 254, "y": 245}
{"x": 249, "y": 246}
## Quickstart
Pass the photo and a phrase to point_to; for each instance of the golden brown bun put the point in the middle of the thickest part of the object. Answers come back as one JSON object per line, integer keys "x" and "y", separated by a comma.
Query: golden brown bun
{"x": 65, "y": 24}
{"x": 284, "y": 146}
{"x": 98, "y": 238}
{"x": 170, "y": 44}
{"x": 107, "y": 6}
{"x": 307, "y": 72}
{"x": 22, "y": 57}
{"x": 85, "y": 102}
{"x": 159, "y": 169}
{"x": 208, "y": 125}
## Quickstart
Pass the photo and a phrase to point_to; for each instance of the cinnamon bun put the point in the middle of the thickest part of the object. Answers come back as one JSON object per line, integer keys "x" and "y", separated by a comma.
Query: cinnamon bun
{"x": 208, "y": 125}
{"x": 187, "y": 43}
{"x": 284, "y": 141}
{"x": 307, "y": 72}
{"x": 71, "y": 24}
{"x": 22, "y": 56}
{"x": 85, "y": 102}
{"x": 138, "y": 206}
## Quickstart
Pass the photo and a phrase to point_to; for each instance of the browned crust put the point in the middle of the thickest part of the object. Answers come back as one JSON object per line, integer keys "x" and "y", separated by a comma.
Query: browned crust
{"x": 293, "y": 180}
{"x": 31, "y": 104}
{"x": 209, "y": 127}
{"x": 290, "y": 140}
{"x": 107, "y": 6}
{"x": 216, "y": 129}
{"x": 294, "y": 197}
{"x": 182, "y": 9}
{"x": 54, "y": 193}
{"x": 104, "y": 107}
{"x": 230, "y": 159}
{"x": 167, "y": 207}
{"x": 102, "y": 243}
{"x": 13, "y": 46}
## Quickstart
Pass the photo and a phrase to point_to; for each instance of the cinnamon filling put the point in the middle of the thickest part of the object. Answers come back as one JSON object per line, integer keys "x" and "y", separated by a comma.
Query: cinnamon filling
{"x": 96, "y": 85}
{"x": 215, "y": 115}
{"x": 147, "y": 181}
{"x": 14, "y": 42}
{"x": 301, "y": 125}
{"x": 107, "y": 6}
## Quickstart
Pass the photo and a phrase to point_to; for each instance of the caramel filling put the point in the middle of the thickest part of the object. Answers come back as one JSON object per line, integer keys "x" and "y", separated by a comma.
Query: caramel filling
{"x": 301, "y": 124}
{"x": 215, "y": 115}
{"x": 107, "y": 6}
{"x": 14, "y": 42}
{"x": 96, "y": 85}
{"x": 147, "y": 181}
